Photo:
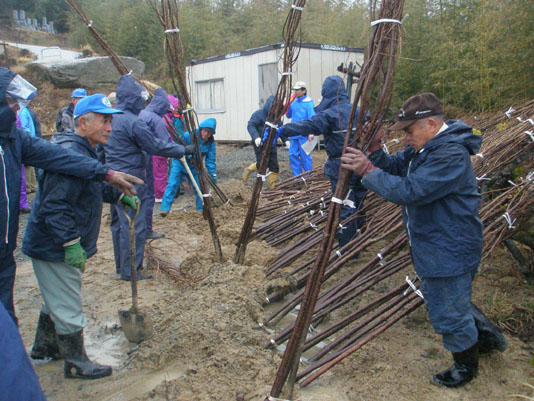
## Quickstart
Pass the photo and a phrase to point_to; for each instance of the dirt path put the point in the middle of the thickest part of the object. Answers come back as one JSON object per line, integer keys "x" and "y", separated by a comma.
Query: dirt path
{"x": 207, "y": 344}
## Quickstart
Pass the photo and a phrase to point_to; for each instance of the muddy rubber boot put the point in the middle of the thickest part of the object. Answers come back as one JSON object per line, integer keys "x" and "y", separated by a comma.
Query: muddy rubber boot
{"x": 271, "y": 180}
{"x": 249, "y": 170}
{"x": 465, "y": 368}
{"x": 77, "y": 365}
{"x": 154, "y": 235}
{"x": 489, "y": 337}
{"x": 45, "y": 343}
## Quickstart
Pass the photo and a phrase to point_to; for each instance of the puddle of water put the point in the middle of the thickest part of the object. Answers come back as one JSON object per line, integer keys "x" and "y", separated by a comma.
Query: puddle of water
{"x": 145, "y": 382}
{"x": 106, "y": 344}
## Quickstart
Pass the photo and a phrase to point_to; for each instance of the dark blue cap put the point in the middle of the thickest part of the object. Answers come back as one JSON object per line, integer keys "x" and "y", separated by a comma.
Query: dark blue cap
{"x": 97, "y": 103}
{"x": 79, "y": 92}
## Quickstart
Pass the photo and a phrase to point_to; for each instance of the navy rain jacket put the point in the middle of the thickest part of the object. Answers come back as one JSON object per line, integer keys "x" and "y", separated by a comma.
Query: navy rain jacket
{"x": 154, "y": 112}
{"x": 131, "y": 137}
{"x": 66, "y": 208}
{"x": 16, "y": 148}
{"x": 256, "y": 123}
{"x": 438, "y": 191}
{"x": 331, "y": 118}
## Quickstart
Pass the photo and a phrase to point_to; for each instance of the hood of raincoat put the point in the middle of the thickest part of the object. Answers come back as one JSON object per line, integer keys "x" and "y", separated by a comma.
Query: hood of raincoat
{"x": 333, "y": 92}
{"x": 7, "y": 116}
{"x": 457, "y": 132}
{"x": 130, "y": 95}
{"x": 209, "y": 123}
{"x": 264, "y": 111}
{"x": 160, "y": 103}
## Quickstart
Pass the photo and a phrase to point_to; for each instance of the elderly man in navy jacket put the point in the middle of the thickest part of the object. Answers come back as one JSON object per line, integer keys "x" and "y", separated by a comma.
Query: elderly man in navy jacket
{"x": 130, "y": 141}
{"x": 434, "y": 181}
{"x": 61, "y": 234}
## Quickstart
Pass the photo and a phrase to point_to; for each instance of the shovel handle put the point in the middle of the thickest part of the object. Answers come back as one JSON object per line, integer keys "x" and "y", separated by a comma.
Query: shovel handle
{"x": 133, "y": 262}
{"x": 193, "y": 181}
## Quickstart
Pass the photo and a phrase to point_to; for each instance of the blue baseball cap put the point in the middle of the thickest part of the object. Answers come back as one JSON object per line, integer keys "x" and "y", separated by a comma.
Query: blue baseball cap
{"x": 97, "y": 103}
{"x": 79, "y": 92}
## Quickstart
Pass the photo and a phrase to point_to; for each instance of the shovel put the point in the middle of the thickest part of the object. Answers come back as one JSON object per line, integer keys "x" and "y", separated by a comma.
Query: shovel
{"x": 135, "y": 324}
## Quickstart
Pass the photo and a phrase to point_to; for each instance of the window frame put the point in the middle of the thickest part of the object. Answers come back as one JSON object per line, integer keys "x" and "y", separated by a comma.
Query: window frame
{"x": 211, "y": 110}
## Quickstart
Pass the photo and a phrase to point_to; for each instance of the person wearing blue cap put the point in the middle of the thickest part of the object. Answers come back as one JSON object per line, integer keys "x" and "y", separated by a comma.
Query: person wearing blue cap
{"x": 61, "y": 234}
{"x": 130, "y": 141}
{"x": 65, "y": 116}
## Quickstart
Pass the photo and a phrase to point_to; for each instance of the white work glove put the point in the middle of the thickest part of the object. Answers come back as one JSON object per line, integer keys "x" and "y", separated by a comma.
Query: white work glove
{"x": 287, "y": 144}
{"x": 257, "y": 141}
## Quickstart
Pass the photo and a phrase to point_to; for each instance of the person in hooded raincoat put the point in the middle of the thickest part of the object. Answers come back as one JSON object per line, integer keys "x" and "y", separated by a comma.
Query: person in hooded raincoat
{"x": 208, "y": 150}
{"x": 156, "y": 172}
{"x": 17, "y": 148}
{"x": 255, "y": 128}
{"x": 330, "y": 120}
{"x": 434, "y": 182}
{"x": 131, "y": 139}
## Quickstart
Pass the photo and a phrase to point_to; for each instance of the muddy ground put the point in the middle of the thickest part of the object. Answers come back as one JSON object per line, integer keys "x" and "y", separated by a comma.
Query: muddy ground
{"x": 207, "y": 344}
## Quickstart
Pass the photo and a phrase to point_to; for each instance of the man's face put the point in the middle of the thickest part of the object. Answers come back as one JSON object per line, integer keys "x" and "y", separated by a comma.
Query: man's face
{"x": 75, "y": 100}
{"x": 98, "y": 130}
{"x": 299, "y": 92}
{"x": 420, "y": 132}
{"x": 205, "y": 134}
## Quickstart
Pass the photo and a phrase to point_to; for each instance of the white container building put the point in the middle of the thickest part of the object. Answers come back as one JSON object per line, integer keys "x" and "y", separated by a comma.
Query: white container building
{"x": 231, "y": 87}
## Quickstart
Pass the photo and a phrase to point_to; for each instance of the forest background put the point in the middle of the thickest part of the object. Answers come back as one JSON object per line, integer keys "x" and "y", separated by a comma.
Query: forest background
{"x": 477, "y": 55}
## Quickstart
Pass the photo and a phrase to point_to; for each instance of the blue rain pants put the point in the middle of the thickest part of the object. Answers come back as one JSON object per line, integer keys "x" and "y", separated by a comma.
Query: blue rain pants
{"x": 448, "y": 300}
{"x": 298, "y": 159}
{"x": 121, "y": 235}
{"x": 173, "y": 184}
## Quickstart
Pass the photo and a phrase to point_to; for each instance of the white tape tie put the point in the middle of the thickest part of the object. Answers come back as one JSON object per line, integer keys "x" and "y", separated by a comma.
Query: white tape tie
{"x": 531, "y": 121}
{"x": 303, "y": 179}
{"x": 269, "y": 124}
{"x": 297, "y": 7}
{"x": 348, "y": 202}
{"x": 270, "y": 398}
{"x": 480, "y": 155}
{"x": 396, "y": 140}
{"x": 336, "y": 200}
{"x": 509, "y": 112}
{"x": 314, "y": 227}
{"x": 90, "y": 25}
{"x": 413, "y": 287}
{"x": 311, "y": 329}
{"x": 530, "y": 176}
{"x": 385, "y": 20}
{"x": 263, "y": 176}
{"x": 207, "y": 195}
{"x": 174, "y": 30}
{"x": 274, "y": 343}
{"x": 341, "y": 228}
{"x": 530, "y": 134}
{"x": 520, "y": 120}
{"x": 358, "y": 231}
{"x": 289, "y": 202}
{"x": 483, "y": 178}
{"x": 338, "y": 253}
{"x": 512, "y": 183}
{"x": 287, "y": 73}
{"x": 509, "y": 220}
{"x": 312, "y": 212}
{"x": 322, "y": 213}
{"x": 188, "y": 110}
{"x": 381, "y": 259}
{"x": 292, "y": 197}
{"x": 385, "y": 148}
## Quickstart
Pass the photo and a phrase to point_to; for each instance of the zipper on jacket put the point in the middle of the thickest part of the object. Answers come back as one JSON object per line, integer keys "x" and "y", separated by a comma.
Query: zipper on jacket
{"x": 7, "y": 194}
{"x": 406, "y": 210}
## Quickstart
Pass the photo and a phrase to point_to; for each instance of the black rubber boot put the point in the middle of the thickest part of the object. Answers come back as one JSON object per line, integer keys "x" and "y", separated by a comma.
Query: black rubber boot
{"x": 465, "y": 368}
{"x": 77, "y": 365}
{"x": 489, "y": 337}
{"x": 154, "y": 235}
{"x": 45, "y": 343}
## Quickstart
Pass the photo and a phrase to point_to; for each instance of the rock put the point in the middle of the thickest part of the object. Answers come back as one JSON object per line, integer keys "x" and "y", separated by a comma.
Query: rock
{"x": 88, "y": 72}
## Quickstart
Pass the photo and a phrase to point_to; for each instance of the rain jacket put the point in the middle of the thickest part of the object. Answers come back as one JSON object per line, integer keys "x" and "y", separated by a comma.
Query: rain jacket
{"x": 208, "y": 149}
{"x": 65, "y": 118}
{"x": 301, "y": 109}
{"x": 256, "y": 123}
{"x": 131, "y": 137}
{"x": 16, "y": 148}
{"x": 438, "y": 191}
{"x": 66, "y": 208}
{"x": 331, "y": 119}
{"x": 153, "y": 115}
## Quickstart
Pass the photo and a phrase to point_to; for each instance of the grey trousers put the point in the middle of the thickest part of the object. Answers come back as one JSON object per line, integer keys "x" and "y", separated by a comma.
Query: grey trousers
{"x": 61, "y": 286}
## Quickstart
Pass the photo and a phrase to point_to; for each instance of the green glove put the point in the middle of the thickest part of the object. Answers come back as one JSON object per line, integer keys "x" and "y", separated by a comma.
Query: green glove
{"x": 130, "y": 201}
{"x": 75, "y": 256}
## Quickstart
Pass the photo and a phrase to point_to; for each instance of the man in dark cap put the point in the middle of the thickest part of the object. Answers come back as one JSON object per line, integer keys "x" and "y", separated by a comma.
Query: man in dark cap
{"x": 65, "y": 116}
{"x": 434, "y": 181}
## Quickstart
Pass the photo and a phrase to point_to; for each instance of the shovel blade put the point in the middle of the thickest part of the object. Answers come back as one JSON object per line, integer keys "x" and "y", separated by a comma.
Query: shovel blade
{"x": 137, "y": 326}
